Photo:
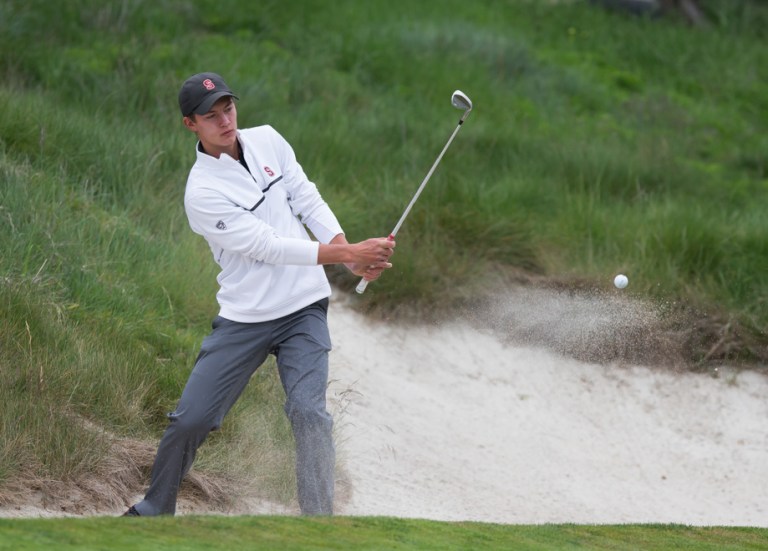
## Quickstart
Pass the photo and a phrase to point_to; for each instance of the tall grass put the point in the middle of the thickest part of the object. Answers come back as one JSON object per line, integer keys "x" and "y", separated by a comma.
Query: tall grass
{"x": 101, "y": 319}
{"x": 599, "y": 143}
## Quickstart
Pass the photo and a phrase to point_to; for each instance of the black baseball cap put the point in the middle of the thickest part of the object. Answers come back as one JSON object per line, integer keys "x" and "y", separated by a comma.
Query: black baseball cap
{"x": 199, "y": 92}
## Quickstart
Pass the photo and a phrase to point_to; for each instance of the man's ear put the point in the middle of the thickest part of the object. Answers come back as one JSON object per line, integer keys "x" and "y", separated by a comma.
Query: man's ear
{"x": 190, "y": 124}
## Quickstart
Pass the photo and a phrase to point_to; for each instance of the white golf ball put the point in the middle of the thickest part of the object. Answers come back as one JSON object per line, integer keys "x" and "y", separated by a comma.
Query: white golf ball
{"x": 620, "y": 281}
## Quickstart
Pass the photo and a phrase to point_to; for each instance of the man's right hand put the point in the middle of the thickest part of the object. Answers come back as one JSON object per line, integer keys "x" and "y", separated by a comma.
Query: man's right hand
{"x": 367, "y": 258}
{"x": 373, "y": 257}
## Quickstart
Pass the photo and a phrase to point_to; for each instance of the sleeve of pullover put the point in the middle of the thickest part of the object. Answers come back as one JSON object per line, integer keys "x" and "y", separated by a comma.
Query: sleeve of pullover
{"x": 306, "y": 201}
{"x": 234, "y": 229}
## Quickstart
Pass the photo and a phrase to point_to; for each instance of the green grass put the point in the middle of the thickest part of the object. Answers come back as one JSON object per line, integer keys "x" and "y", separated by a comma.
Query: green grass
{"x": 599, "y": 144}
{"x": 592, "y": 132}
{"x": 292, "y": 533}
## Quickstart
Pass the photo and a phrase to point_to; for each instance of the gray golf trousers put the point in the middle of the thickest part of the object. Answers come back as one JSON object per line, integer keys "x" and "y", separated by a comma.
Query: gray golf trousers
{"x": 229, "y": 356}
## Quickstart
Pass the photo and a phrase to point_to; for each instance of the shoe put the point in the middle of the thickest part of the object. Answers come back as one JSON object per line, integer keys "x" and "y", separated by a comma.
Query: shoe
{"x": 132, "y": 512}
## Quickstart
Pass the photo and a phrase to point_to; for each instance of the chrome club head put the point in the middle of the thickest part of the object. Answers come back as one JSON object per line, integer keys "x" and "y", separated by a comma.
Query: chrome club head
{"x": 460, "y": 100}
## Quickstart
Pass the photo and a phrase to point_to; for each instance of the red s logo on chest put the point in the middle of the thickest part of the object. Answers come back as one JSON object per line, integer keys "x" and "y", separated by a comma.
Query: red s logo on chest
{"x": 268, "y": 171}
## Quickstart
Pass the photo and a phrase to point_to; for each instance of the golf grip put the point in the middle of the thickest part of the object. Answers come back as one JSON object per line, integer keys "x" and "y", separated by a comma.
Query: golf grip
{"x": 360, "y": 289}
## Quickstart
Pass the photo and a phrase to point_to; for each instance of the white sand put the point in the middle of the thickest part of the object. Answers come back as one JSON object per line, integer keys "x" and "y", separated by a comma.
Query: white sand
{"x": 448, "y": 423}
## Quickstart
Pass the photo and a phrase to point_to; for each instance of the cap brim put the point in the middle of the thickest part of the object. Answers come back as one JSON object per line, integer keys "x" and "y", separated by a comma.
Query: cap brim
{"x": 204, "y": 107}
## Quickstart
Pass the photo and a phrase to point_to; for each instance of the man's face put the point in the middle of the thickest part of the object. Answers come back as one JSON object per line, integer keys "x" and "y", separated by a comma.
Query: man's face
{"x": 216, "y": 129}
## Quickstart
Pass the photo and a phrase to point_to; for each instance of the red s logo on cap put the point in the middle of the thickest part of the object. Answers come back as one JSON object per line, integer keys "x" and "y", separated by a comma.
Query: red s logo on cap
{"x": 209, "y": 85}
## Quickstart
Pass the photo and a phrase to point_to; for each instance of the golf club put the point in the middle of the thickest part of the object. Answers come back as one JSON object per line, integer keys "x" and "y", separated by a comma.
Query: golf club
{"x": 460, "y": 101}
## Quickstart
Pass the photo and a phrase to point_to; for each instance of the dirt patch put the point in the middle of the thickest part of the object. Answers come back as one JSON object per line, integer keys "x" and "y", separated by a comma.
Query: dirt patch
{"x": 117, "y": 483}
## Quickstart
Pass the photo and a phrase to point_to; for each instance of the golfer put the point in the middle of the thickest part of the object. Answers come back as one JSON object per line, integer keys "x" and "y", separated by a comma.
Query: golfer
{"x": 250, "y": 199}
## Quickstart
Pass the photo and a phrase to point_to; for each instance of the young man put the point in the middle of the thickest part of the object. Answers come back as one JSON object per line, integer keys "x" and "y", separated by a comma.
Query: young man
{"x": 250, "y": 199}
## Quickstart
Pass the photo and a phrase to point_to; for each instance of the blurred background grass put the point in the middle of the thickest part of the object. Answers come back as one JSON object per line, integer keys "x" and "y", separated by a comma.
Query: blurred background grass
{"x": 599, "y": 143}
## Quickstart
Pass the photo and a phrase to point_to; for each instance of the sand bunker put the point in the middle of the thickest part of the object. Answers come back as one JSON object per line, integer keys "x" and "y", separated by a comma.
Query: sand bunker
{"x": 450, "y": 423}
{"x": 487, "y": 418}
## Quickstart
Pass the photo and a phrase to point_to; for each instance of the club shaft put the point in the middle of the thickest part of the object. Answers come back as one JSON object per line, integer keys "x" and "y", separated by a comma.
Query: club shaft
{"x": 360, "y": 289}
{"x": 426, "y": 179}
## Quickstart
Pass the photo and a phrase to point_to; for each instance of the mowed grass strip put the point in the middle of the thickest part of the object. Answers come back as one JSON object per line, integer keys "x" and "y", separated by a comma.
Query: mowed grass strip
{"x": 191, "y": 533}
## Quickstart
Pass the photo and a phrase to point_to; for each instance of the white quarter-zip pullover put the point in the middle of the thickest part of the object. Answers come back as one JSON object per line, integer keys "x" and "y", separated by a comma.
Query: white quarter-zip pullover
{"x": 253, "y": 221}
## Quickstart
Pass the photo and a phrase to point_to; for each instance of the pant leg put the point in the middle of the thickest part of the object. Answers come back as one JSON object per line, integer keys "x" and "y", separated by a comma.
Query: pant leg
{"x": 228, "y": 358}
{"x": 302, "y": 360}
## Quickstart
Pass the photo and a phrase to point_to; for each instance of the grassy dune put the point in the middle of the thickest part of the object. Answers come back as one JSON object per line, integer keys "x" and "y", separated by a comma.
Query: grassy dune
{"x": 599, "y": 144}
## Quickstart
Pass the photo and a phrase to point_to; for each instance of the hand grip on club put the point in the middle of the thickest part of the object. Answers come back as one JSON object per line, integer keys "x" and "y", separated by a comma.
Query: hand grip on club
{"x": 360, "y": 289}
